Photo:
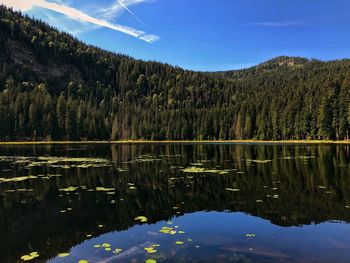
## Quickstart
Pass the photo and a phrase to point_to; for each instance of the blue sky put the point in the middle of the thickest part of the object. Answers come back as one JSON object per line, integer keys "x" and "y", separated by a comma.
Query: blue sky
{"x": 205, "y": 35}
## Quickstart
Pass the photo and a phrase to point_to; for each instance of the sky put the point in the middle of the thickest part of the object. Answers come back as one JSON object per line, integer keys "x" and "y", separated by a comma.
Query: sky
{"x": 204, "y": 35}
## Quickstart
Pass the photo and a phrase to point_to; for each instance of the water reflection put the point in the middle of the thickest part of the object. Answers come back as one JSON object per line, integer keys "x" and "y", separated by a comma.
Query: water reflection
{"x": 67, "y": 197}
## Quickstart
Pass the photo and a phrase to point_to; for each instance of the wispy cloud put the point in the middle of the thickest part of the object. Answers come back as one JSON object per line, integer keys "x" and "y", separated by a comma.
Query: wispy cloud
{"x": 73, "y": 13}
{"x": 67, "y": 24}
{"x": 275, "y": 24}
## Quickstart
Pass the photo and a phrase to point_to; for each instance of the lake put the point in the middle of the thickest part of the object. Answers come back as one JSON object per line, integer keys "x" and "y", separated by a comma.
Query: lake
{"x": 174, "y": 203}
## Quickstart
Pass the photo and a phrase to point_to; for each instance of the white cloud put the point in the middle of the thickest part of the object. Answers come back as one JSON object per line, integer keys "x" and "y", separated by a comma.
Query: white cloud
{"x": 73, "y": 13}
{"x": 67, "y": 25}
{"x": 17, "y": 5}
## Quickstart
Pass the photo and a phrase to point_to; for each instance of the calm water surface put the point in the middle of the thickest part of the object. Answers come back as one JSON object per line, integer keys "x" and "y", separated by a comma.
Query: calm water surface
{"x": 174, "y": 203}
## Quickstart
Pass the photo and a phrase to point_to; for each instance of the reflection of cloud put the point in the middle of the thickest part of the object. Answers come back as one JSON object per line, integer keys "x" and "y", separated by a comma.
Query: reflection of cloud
{"x": 73, "y": 13}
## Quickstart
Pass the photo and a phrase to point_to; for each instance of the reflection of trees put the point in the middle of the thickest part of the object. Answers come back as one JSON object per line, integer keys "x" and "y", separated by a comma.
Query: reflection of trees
{"x": 39, "y": 224}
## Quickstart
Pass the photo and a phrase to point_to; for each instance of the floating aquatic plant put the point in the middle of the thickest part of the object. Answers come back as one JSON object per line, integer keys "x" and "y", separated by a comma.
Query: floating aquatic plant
{"x": 102, "y": 189}
{"x": 196, "y": 164}
{"x": 259, "y": 161}
{"x": 117, "y": 250}
{"x": 232, "y": 189}
{"x": 165, "y": 230}
{"x": 68, "y": 189}
{"x": 151, "y": 249}
{"x": 142, "y": 219}
{"x": 18, "y": 179}
{"x": 63, "y": 255}
{"x": 194, "y": 169}
{"x": 31, "y": 256}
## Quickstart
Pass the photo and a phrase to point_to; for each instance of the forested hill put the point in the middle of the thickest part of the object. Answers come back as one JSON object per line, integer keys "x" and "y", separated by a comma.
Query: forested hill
{"x": 54, "y": 87}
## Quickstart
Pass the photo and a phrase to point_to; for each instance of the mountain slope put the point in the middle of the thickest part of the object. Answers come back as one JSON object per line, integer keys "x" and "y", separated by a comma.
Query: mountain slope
{"x": 54, "y": 87}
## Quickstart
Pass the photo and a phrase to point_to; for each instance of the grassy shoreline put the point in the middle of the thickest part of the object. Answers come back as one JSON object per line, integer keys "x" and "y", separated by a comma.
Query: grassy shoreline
{"x": 178, "y": 142}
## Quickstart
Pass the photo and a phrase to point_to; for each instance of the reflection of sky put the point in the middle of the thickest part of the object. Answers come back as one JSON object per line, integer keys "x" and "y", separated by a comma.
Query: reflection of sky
{"x": 221, "y": 234}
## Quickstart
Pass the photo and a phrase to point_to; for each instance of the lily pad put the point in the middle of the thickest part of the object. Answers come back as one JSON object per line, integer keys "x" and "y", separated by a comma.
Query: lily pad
{"x": 259, "y": 161}
{"x": 63, "y": 255}
{"x": 142, "y": 219}
{"x": 232, "y": 189}
{"x": 150, "y": 250}
{"x": 105, "y": 245}
{"x": 31, "y": 256}
{"x": 117, "y": 250}
{"x": 102, "y": 189}
{"x": 68, "y": 189}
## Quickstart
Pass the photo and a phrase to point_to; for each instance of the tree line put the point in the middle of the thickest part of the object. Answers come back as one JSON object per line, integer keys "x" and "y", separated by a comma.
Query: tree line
{"x": 54, "y": 87}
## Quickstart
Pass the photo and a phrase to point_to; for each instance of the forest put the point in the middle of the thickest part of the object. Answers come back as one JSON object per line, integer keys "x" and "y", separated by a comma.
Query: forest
{"x": 54, "y": 87}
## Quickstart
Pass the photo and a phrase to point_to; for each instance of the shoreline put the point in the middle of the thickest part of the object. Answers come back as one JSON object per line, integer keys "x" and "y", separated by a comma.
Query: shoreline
{"x": 178, "y": 142}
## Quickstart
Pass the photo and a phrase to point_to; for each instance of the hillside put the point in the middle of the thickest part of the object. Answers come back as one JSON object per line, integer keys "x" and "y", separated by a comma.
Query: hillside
{"x": 54, "y": 87}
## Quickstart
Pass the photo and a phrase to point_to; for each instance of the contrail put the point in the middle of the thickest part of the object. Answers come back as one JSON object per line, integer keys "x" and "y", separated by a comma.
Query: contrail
{"x": 77, "y": 14}
{"x": 127, "y": 9}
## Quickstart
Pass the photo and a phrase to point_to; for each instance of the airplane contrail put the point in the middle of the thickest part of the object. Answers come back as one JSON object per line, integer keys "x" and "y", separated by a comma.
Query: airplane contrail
{"x": 77, "y": 14}
{"x": 127, "y": 9}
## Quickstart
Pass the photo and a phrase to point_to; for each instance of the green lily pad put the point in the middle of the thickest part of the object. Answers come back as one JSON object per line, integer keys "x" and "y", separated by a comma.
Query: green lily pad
{"x": 31, "y": 256}
{"x": 142, "y": 219}
{"x": 63, "y": 255}
{"x": 117, "y": 250}
{"x": 232, "y": 189}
